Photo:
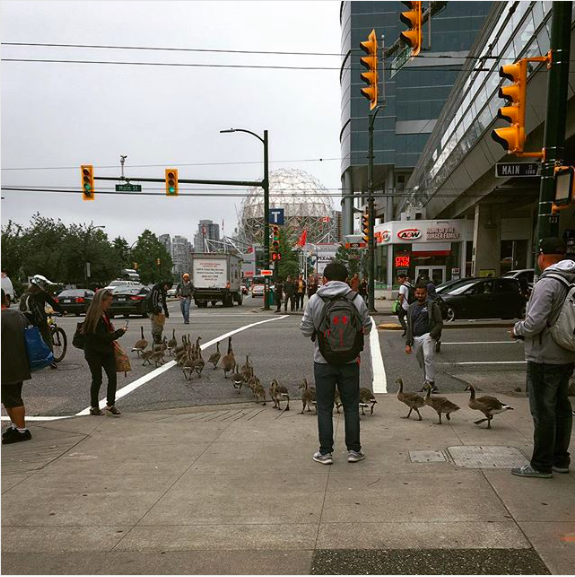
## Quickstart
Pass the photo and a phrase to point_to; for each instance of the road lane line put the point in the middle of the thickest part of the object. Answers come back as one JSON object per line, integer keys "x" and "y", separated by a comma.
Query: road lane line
{"x": 509, "y": 342}
{"x": 486, "y": 363}
{"x": 3, "y": 418}
{"x": 131, "y": 387}
{"x": 378, "y": 370}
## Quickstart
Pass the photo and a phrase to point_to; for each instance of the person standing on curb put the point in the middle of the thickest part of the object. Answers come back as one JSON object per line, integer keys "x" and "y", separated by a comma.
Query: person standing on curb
{"x": 300, "y": 287}
{"x": 158, "y": 309}
{"x": 278, "y": 293}
{"x": 99, "y": 335}
{"x": 424, "y": 324}
{"x": 549, "y": 364}
{"x": 405, "y": 299}
{"x": 15, "y": 370}
{"x": 289, "y": 290}
{"x": 336, "y": 319}
{"x": 185, "y": 291}
{"x": 312, "y": 287}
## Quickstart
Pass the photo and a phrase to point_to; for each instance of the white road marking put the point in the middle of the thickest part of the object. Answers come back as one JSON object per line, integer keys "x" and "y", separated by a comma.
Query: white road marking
{"x": 509, "y": 342}
{"x": 486, "y": 363}
{"x": 3, "y": 418}
{"x": 131, "y": 387}
{"x": 379, "y": 376}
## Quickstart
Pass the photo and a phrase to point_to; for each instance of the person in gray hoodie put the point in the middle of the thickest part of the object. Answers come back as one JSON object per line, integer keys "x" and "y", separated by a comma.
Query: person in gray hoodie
{"x": 328, "y": 376}
{"x": 549, "y": 366}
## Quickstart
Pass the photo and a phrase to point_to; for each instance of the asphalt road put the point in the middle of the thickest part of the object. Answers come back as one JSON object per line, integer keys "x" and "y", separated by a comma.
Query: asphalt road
{"x": 482, "y": 356}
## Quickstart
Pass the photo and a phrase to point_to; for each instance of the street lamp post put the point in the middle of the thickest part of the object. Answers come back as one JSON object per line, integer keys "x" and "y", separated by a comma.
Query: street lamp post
{"x": 266, "y": 187}
{"x": 86, "y": 263}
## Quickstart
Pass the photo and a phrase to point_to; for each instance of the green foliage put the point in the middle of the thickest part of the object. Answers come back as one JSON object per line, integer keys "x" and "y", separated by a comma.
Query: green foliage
{"x": 289, "y": 263}
{"x": 12, "y": 248}
{"x": 344, "y": 255}
{"x": 146, "y": 252}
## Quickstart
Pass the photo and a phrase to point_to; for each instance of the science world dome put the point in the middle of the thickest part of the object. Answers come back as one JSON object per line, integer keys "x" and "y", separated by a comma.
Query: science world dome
{"x": 306, "y": 203}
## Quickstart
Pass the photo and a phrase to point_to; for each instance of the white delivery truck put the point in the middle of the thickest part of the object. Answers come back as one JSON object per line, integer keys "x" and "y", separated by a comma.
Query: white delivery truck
{"x": 216, "y": 277}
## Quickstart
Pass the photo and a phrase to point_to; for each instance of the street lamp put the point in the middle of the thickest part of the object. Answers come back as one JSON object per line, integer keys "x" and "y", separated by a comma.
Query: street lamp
{"x": 87, "y": 265}
{"x": 266, "y": 187}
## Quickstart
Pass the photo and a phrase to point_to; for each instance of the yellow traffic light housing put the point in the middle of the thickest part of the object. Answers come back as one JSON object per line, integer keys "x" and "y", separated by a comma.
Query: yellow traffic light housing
{"x": 172, "y": 186}
{"x": 370, "y": 62}
{"x": 413, "y": 20}
{"x": 365, "y": 225}
{"x": 275, "y": 238}
{"x": 87, "y": 171}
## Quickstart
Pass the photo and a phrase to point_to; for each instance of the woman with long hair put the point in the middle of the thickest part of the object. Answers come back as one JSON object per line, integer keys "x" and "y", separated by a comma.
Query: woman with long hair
{"x": 99, "y": 350}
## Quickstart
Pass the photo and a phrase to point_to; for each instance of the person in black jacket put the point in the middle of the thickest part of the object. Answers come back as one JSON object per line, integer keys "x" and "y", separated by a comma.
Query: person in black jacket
{"x": 278, "y": 293}
{"x": 289, "y": 291}
{"x": 99, "y": 350}
{"x": 158, "y": 309}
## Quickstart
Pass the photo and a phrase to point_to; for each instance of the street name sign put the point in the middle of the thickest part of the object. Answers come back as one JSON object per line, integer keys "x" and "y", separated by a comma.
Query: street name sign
{"x": 399, "y": 61}
{"x": 526, "y": 169}
{"x": 128, "y": 188}
{"x": 276, "y": 216}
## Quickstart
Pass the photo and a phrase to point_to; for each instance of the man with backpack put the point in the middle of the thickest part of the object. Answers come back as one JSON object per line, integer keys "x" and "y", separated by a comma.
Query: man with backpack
{"x": 157, "y": 307}
{"x": 406, "y": 297}
{"x": 336, "y": 319}
{"x": 549, "y": 334}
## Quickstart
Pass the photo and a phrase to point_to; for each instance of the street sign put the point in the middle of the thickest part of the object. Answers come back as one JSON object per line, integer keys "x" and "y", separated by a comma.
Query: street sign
{"x": 266, "y": 272}
{"x": 526, "y": 169}
{"x": 276, "y": 216}
{"x": 128, "y": 188}
{"x": 399, "y": 61}
{"x": 355, "y": 245}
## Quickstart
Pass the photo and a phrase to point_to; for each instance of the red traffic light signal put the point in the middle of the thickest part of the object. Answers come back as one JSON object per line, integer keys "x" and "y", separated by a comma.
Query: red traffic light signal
{"x": 370, "y": 62}
{"x": 413, "y": 20}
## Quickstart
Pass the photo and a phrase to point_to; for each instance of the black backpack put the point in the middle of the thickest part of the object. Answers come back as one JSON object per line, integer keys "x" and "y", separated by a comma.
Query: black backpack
{"x": 340, "y": 331}
{"x": 410, "y": 293}
{"x": 79, "y": 340}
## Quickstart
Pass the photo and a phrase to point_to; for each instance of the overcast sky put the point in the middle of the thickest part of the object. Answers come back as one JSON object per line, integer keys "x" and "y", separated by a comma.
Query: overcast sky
{"x": 65, "y": 115}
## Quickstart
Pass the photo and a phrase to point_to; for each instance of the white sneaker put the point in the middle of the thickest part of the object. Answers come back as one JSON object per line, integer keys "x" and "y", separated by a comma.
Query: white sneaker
{"x": 326, "y": 459}
{"x": 355, "y": 456}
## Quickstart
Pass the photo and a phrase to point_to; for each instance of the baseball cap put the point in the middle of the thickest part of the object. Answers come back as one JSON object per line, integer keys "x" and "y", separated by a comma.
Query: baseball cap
{"x": 551, "y": 245}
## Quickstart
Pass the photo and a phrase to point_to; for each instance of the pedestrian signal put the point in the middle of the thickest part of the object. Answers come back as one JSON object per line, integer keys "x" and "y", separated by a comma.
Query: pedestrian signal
{"x": 276, "y": 255}
{"x": 370, "y": 62}
{"x": 87, "y": 181}
{"x": 413, "y": 20}
{"x": 172, "y": 188}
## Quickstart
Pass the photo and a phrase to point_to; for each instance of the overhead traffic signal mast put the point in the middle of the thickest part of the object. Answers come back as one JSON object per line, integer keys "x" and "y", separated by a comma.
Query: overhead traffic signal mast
{"x": 413, "y": 20}
{"x": 370, "y": 62}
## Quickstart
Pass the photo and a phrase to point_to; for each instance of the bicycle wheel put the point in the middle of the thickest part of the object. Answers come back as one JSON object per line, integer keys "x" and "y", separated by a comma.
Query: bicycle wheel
{"x": 59, "y": 343}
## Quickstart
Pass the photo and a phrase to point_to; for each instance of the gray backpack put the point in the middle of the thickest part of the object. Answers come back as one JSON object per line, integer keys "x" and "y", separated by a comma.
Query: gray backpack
{"x": 563, "y": 329}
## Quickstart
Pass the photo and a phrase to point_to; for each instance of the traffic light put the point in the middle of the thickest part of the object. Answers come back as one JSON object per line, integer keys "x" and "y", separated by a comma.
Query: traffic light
{"x": 275, "y": 238}
{"x": 564, "y": 186}
{"x": 413, "y": 20}
{"x": 158, "y": 261}
{"x": 512, "y": 138}
{"x": 87, "y": 181}
{"x": 172, "y": 182}
{"x": 370, "y": 62}
{"x": 365, "y": 225}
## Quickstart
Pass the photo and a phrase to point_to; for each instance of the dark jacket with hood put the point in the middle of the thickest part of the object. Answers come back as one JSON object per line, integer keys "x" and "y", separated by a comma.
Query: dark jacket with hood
{"x": 101, "y": 341}
{"x": 435, "y": 321}
{"x": 158, "y": 300}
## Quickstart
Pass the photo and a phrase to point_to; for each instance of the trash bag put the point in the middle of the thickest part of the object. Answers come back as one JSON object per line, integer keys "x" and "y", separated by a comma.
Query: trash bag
{"x": 39, "y": 353}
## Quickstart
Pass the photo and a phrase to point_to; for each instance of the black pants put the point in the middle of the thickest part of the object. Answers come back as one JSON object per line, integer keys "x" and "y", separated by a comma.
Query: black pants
{"x": 552, "y": 414}
{"x": 46, "y": 336}
{"x": 97, "y": 362}
{"x": 278, "y": 299}
{"x": 401, "y": 314}
{"x": 291, "y": 299}
{"x": 346, "y": 378}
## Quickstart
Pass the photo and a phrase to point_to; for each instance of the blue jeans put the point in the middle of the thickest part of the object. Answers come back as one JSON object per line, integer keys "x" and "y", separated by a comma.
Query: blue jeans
{"x": 552, "y": 414}
{"x": 185, "y": 308}
{"x": 346, "y": 378}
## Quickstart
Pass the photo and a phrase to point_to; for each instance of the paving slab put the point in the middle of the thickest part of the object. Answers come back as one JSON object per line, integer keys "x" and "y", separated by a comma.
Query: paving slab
{"x": 555, "y": 542}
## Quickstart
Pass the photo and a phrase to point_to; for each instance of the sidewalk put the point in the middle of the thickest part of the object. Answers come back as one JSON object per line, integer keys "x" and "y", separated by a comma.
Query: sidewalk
{"x": 233, "y": 489}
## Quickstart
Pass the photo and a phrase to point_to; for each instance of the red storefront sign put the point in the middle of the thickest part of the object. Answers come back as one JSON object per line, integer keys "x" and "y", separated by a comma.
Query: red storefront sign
{"x": 409, "y": 234}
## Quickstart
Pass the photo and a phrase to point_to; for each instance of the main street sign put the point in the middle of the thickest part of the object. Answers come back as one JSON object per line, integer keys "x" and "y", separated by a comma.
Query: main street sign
{"x": 276, "y": 216}
{"x": 128, "y": 188}
{"x": 513, "y": 169}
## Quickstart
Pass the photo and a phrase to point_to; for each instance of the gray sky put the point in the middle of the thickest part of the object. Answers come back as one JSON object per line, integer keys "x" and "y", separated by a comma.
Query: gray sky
{"x": 65, "y": 115}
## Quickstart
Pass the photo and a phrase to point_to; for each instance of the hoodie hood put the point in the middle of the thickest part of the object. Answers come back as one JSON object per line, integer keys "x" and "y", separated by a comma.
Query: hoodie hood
{"x": 565, "y": 268}
{"x": 333, "y": 288}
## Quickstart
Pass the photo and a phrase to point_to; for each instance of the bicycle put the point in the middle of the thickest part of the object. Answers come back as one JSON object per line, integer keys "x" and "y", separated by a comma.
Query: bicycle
{"x": 59, "y": 339}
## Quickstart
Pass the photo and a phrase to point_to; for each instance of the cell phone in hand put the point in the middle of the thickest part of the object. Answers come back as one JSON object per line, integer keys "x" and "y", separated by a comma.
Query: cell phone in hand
{"x": 126, "y": 325}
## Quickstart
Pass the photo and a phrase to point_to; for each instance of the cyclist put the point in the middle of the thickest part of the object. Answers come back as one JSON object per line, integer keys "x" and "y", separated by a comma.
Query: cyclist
{"x": 33, "y": 304}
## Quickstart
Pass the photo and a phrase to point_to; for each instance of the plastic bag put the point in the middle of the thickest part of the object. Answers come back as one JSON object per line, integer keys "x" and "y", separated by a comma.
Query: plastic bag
{"x": 395, "y": 306}
{"x": 39, "y": 353}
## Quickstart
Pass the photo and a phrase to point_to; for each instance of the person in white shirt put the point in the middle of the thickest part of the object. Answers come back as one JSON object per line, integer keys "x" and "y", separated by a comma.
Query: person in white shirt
{"x": 404, "y": 290}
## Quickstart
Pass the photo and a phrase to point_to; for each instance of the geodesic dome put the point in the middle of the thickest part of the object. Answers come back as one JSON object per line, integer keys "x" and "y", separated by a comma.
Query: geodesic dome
{"x": 306, "y": 203}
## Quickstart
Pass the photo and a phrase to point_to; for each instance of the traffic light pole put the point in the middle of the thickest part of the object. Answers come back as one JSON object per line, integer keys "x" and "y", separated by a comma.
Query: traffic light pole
{"x": 266, "y": 187}
{"x": 555, "y": 121}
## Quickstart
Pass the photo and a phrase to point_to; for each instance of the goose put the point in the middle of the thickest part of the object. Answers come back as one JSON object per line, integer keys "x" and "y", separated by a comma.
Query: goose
{"x": 308, "y": 396}
{"x": 439, "y": 404}
{"x": 365, "y": 398}
{"x": 489, "y": 406}
{"x": 200, "y": 363}
{"x": 157, "y": 357}
{"x": 259, "y": 392}
{"x": 215, "y": 357}
{"x": 173, "y": 342}
{"x": 246, "y": 367}
{"x": 146, "y": 356}
{"x": 239, "y": 380}
{"x": 228, "y": 360}
{"x": 412, "y": 400}
{"x": 140, "y": 344}
{"x": 278, "y": 393}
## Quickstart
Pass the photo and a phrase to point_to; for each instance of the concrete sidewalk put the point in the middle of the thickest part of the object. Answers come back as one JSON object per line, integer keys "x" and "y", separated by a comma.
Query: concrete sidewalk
{"x": 233, "y": 489}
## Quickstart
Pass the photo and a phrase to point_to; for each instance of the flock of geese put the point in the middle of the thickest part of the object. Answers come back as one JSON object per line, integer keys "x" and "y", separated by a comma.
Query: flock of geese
{"x": 188, "y": 356}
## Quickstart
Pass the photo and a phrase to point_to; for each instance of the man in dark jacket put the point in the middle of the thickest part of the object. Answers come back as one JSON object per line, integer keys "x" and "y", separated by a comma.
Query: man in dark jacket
{"x": 278, "y": 293}
{"x": 289, "y": 291}
{"x": 158, "y": 309}
{"x": 15, "y": 370}
{"x": 424, "y": 324}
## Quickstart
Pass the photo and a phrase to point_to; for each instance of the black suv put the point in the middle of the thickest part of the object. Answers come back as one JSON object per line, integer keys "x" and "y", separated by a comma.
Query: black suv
{"x": 129, "y": 300}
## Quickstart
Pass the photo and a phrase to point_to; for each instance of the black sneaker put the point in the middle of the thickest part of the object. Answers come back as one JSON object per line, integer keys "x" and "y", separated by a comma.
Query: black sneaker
{"x": 113, "y": 411}
{"x": 95, "y": 411}
{"x": 17, "y": 437}
{"x": 9, "y": 431}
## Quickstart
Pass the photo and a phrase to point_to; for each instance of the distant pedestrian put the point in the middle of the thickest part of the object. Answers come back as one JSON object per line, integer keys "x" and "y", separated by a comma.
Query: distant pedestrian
{"x": 158, "y": 309}
{"x": 278, "y": 293}
{"x": 33, "y": 304}
{"x": 424, "y": 324}
{"x": 15, "y": 370}
{"x": 300, "y": 292}
{"x": 405, "y": 298}
{"x": 363, "y": 289}
{"x": 312, "y": 286}
{"x": 336, "y": 357}
{"x": 185, "y": 292}
{"x": 549, "y": 363}
{"x": 289, "y": 291}
{"x": 99, "y": 340}
{"x": 432, "y": 295}
{"x": 354, "y": 283}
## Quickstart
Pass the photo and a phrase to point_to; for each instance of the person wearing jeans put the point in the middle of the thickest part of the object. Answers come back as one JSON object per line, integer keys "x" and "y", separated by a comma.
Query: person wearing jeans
{"x": 185, "y": 291}
{"x": 549, "y": 365}
{"x": 403, "y": 297}
{"x": 424, "y": 324}
{"x": 329, "y": 376}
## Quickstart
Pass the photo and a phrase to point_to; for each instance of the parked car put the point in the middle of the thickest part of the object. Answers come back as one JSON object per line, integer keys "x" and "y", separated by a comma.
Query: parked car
{"x": 121, "y": 282}
{"x": 75, "y": 301}
{"x": 171, "y": 292}
{"x": 440, "y": 288}
{"x": 258, "y": 290}
{"x": 524, "y": 274}
{"x": 499, "y": 298}
{"x": 129, "y": 300}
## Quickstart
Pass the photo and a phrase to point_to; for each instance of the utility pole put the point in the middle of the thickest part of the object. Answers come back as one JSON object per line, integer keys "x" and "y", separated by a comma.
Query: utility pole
{"x": 266, "y": 187}
{"x": 555, "y": 121}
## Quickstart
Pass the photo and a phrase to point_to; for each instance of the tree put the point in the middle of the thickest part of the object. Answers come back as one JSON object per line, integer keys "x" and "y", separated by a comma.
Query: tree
{"x": 146, "y": 253}
{"x": 122, "y": 253}
{"x": 289, "y": 263}
{"x": 12, "y": 249}
{"x": 350, "y": 258}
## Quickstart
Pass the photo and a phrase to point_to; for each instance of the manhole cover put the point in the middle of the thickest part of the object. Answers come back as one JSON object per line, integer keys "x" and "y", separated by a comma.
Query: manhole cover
{"x": 427, "y": 456}
{"x": 487, "y": 457}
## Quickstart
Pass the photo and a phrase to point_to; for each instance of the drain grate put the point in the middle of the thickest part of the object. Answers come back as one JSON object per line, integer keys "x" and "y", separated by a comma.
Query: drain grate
{"x": 427, "y": 457}
{"x": 492, "y": 457}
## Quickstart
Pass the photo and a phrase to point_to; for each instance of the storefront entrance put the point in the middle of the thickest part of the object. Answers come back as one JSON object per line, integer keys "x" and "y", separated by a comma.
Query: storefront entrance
{"x": 435, "y": 273}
